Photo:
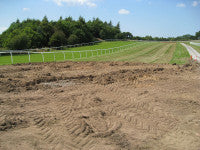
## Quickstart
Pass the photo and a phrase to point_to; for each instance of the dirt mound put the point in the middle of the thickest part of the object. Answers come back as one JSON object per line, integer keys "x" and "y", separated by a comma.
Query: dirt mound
{"x": 99, "y": 105}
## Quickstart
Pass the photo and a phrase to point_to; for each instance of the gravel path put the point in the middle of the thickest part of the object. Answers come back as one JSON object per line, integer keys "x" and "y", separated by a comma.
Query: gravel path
{"x": 195, "y": 55}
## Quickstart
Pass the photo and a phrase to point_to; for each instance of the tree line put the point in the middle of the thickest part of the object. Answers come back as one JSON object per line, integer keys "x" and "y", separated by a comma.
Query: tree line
{"x": 186, "y": 37}
{"x": 33, "y": 33}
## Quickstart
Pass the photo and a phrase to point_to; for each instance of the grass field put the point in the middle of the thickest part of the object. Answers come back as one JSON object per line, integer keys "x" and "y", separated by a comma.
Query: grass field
{"x": 102, "y": 45}
{"x": 155, "y": 52}
{"x": 197, "y": 48}
{"x": 147, "y": 52}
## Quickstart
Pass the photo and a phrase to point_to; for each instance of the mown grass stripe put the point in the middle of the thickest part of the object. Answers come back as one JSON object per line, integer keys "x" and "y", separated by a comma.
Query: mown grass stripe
{"x": 181, "y": 55}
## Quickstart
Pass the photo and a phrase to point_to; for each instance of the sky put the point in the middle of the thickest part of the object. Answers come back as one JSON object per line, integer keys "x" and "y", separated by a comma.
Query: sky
{"x": 161, "y": 18}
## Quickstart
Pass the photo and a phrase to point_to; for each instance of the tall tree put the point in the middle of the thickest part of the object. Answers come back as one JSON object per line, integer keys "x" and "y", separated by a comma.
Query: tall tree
{"x": 57, "y": 39}
{"x": 197, "y": 35}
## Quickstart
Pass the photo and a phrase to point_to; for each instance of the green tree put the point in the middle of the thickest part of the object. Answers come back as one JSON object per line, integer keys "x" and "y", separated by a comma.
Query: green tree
{"x": 148, "y": 37}
{"x": 44, "y": 33}
{"x": 124, "y": 35}
{"x": 108, "y": 33}
{"x": 46, "y": 30}
{"x": 73, "y": 39}
{"x": 197, "y": 35}
{"x": 57, "y": 39}
{"x": 19, "y": 42}
{"x": 95, "y": 27}
{"x": 80, "y": 34}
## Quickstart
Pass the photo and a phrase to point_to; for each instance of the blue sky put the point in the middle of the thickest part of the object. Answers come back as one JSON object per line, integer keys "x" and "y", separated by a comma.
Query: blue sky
{"x": 163, "y": 18}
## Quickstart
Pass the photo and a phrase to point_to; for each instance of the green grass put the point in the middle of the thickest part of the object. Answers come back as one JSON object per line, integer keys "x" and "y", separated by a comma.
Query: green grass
{"x": 147, "y": 52}
{"x": 125, "y": 55}
{"x": 102, "y": 45}
{"x": 155, "y": 52}
{"x": 59, "y": 56}
{"x": 181, "y": 55}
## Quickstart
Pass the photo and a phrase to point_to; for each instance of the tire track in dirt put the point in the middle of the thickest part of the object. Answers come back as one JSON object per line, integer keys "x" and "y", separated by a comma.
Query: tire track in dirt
{"x": 77, "y": 128}
{"x": 142, "y": 115}
{"x": 89, "y": 122}
{"x": 123, "y": 107}
{"x": 52, "y": 131}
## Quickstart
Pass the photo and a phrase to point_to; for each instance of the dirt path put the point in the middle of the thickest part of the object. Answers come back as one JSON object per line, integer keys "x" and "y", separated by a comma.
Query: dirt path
{"x": 105, "y": 105}
{"x": 195, "y": 55}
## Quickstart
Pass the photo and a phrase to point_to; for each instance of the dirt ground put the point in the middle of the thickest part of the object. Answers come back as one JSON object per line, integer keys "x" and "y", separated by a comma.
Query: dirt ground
{"x": 100, "y": 105}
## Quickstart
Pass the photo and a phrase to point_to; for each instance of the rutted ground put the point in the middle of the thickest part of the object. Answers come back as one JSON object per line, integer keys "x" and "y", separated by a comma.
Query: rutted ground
{"x": 104, "y": 105}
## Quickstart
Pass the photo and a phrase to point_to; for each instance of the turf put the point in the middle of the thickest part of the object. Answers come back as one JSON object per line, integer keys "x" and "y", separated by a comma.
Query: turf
{"x": 102, "y": 45}
{"x": 66, "y": 54}
{"x": 146, "y": 52}
{"x": 154, "y": 52}
{"x": 181, "y": 55}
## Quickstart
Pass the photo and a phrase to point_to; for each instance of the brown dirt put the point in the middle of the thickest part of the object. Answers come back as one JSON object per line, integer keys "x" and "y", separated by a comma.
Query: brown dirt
{"x": 100, "y": 105}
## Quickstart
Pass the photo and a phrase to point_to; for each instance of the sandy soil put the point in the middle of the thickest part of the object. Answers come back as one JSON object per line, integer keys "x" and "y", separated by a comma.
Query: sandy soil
{"x": 107, "y": 105}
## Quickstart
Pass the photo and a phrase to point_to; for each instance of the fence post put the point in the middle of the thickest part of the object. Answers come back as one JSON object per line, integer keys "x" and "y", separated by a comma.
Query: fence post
{"x": 86, "y": 54}
{"x": 29, "y": 57}
{"x": 72, "y": 55}
{"x": 80, "y": 54}
{"x": 11, "y": 57}
{"x": 54, "y": 56}
{"x": 97, "y": 52}
{"x": 101, "y": 52}
{"x": 64, "y": 55}
{"x": 42, "y": 57}
{"x": 92, "y": 52}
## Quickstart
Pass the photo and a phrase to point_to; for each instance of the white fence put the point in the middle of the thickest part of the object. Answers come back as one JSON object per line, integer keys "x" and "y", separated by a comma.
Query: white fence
{"x": 70, "y": 55}
{"x": 193, "y": 43}
{"x": 66, "y": 46}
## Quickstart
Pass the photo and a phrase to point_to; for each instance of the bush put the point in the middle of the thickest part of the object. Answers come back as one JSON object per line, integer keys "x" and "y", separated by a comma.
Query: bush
{"x": 19, "y": 42}
{"x": 57, "y": 39}
{"x": 73, "y": 39}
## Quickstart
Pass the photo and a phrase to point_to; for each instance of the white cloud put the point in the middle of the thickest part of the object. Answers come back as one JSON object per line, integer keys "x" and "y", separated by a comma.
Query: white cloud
{"x": 181, "y": 5}
{"x": 91, "y": 4}
{"x": 2, "y": 29}
{"x": 26, "y": 9}
{"x": 124, "y": 12}
{"x": 194, "y": 3}
{"x": 88, "y": 3}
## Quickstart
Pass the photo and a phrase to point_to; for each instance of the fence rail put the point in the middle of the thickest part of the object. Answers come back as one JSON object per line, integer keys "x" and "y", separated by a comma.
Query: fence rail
{"x": 64, "y": 46}
{"x": 193, "y": 43}
{"x": 67, "y": 55}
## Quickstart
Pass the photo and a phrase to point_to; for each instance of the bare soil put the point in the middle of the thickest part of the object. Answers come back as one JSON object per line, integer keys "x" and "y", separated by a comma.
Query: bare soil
{"x": 100, "y": 105}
